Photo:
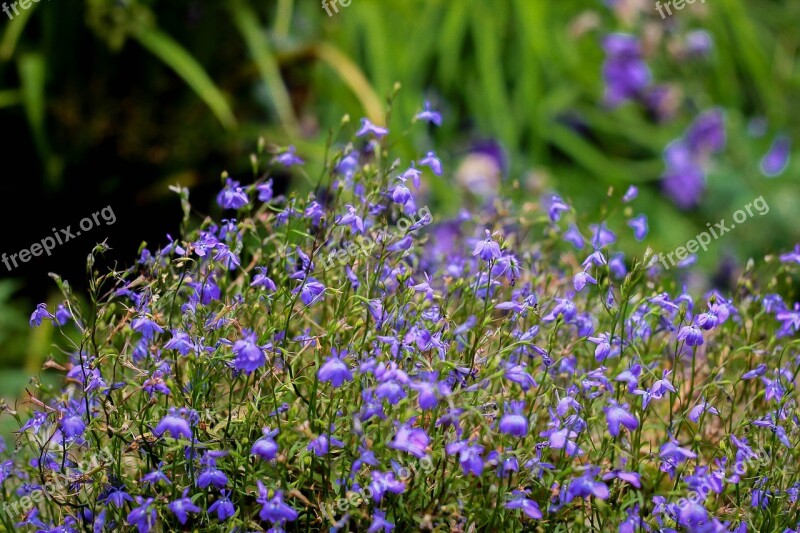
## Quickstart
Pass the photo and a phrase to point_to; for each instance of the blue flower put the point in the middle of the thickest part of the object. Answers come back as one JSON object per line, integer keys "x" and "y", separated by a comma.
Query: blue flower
{"x": 286, "y": 158}
{"x": 182, "y": 507}
{"x": 232, "y": 196}
{"x": 223, "y": 506}
{"x": 249, "y": 355}
{"x": 777, "y": 158}
{"x": 274, "y": 509}
{"x": 143, "y": 517}
{"x": 335, "y": 370}
{"x": 429, "y": 115}
{"x": 266, "y": 447}
{"x": 39, "y": 314}
{"x": 514, "y": 422}
{"x": 175, "y": 425}
{"x": 639, "y": 225}
{"x": 368, "y": 127}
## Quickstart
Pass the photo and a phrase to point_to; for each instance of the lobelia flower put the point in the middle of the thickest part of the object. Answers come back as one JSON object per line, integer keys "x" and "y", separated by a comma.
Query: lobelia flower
{"x": 379, "y": 523}
{"x": 469, "y": 456}
{"x": 698, "y": 410}
{"x": 432, "y": 162}
{"x": 335, "y": 370}
{"x": 557, "y": 206}
{"x": 692, "y": 335}
{"x": 146, "y": 326}
{"x": 265, "y": 191}
{"x": 429, "y": 115}
{"x": 249, "y": 356}
{"x": 274, "y": 509}
{"x": 581, "y": 279}
{"x": 115, "y": 496}
{"x": 39, "y": 314}
{"x": 212, "y": 476}
{"x": 586, "y": 486}
{"x": 182, "y": 507}
{"x": 630, "y": 477}
{"x": 223, "y": 506}
{"x": 631, "y": 194}
{"x": 574, "y": 237}
{"x": 520, "y": 501}
{"x": 410, "y": 440}
{"x": 514, "y": 422}
{"x": 266, "y": 447}
{"x": 639, "y": 225}
{"x": 789, "y": 257}
{"x": 156, "y": 476}
{"x": 618, "y": 415}
{"x": 232, "y": 196}
{"x": 368, "y": 127}
{"x": 776, "y": 160}
{"x": 175, "y": 425}
{"x": 63, "y": 315}
{"x": 143, "y": 517}
{"x": 383, "y": 482}
{"x": 625, "y": 73}
{"x": 287, "y": 158}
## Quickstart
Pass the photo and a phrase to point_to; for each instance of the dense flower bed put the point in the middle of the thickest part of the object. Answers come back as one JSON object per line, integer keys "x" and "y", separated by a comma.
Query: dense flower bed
{"x": 349, "y": 361}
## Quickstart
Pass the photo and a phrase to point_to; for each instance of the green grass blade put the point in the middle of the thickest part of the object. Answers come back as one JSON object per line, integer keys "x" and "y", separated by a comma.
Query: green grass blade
{"x": 172, "y": 54}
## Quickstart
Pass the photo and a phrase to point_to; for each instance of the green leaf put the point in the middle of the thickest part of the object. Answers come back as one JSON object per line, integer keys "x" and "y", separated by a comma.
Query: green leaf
{"x": 172, "y": 54}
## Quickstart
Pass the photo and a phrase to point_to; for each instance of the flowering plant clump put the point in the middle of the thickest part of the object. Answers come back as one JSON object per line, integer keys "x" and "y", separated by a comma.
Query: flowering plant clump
{"x": 504, "y": 370}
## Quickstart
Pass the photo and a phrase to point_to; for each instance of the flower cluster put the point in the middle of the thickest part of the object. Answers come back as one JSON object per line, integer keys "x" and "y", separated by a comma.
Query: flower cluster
{"x": 242, "y": 383}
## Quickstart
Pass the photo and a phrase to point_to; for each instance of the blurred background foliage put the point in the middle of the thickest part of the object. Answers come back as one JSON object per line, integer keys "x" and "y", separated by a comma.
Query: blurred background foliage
{"x": 107, "y": 102}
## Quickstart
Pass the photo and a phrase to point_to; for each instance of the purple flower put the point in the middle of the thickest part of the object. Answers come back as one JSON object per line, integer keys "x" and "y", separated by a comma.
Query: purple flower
{"x": 529, "y": 507}
{"x": 580, "y": 280}
{"x": 274, "y": 509}
{"x": 639, "y": 225}
{"x": 287, "y": 158}
{"x": 758, "y": 371}
{"x": 574, "y": 237}
{"x": 232, "y": 196}
{"x": 223, "y": 506}
{"x": 429, "y": 115}
{"x": 692, "y": 335}
{"x": 143, "y": 517}
{"x": 249, "y": 355}
{"x": 698, "y": 410}
{"x": 434, "y": 163}
{"x": 777, "y": 158}
{"x": 146, "y": 326}
{"x": 311, "y": 291}
{"x": 625, "y": 74}
{"x": 39, "y": 314}
{"x": 265, "y": 191}
{"x": 586, "y": 486}
{"x": 182, "y": 507}
{"x": 618, "y": 415}
{"x": 335, "y": 370}
{"x": 212, "y": 476}
{"x": 514, "y": 422}
{"x": 72, "y": 426}
{"x": 789, "y": 257}
{"x": 368, "y": 127}
{"x": 117, "y": 497}
{"x": 631, "y": 194}
{"x": 557, "y": 206}
{"x": 487, "y": 249}
{"x": 62, "y": 315}
{"x": 175, "y": 425}
{"x": 469, "y": 456}
{"x": 411, "y": 440}
{"x": 266, "y": 447}
{"x": 379, "y": 523}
